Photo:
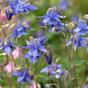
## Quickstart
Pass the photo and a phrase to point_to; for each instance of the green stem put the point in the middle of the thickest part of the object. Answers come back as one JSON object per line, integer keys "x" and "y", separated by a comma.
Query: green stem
{"x": 69, "y": 59}
{"x": 74, "y": 68}
{"x": 74, "y": 65}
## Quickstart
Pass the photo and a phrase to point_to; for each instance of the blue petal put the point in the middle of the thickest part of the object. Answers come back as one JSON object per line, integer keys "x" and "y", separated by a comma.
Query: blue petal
{"x": 32, "y": 8}
{"x": 33, "y": 59}
{"x": 7, "y": 49}
{"x": 45, "y": 70}
{"x": 16, "y": 73}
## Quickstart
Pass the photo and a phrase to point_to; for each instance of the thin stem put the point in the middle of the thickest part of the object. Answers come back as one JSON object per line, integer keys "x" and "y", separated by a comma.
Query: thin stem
{"x": 74, "y": 66}
{"x": 81, "y": 79}
{"x": 70, "y": 72}
{"x": 27, "y": 62}
{"x": 69, "y": 58}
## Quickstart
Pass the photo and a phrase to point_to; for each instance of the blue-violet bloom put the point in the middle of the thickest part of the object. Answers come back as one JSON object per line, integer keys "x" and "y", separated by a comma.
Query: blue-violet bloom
{"x": 20, "y": 7}
{"x": 36, "y": 47}
{"x": 53, "y": 70}
{"x": 78, "y": 41}
{"x": 82, "y": 28}
{"x": 7, "y": 47}
{"x": 23, "y": 76}
{"x": 19, "y": 30}
{"x": 53, "y": 20}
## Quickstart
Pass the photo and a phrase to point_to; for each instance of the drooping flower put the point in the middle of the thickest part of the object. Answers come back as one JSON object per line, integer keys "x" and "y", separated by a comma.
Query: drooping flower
{"x": 77, "y": 33}
{"x": 36, "y": 47}
{"x": 53, "y": 70}
{"x": 19, "y": 7}
{"x": 53, "y": 20}
{"x": 7, "y": 47}
{"x": 82, "y": 28}
{"x": 78, "y": 41}
{"x": 19, "y": 30}
{"x": 17, "y": 53}
{"x": 23, "y": 76}
{"x": 9, "y": 68}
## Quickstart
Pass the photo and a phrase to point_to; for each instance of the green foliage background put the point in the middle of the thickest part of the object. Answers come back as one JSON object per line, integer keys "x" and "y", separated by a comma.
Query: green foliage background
{"x": 56, "y": 41}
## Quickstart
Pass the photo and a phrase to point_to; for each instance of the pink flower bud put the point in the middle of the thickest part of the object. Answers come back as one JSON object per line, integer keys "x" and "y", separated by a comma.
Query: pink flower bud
{"x": 17, "y": 53}
{"x": 33, "y": 85}
{"x": 9, "y": 68}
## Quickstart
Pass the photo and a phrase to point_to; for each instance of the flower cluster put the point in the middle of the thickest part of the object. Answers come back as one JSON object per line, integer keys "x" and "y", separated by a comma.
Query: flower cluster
{"x": 36, "y": 45}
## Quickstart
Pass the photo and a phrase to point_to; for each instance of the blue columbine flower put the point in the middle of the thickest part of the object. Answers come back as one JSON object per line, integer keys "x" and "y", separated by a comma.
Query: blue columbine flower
{"x": 19, "y": 31}
{"x": 7, "y": 47}
{"x": 19, "y": 7}
{"x": 23, "y": 76}
{"x": 53, "y": 20}
{"x": 36, "y": 47}
{"x": 78, "y": 41}
{"x": 64, "y": 4}
{"x": 53, "y": 70}
{"x": 77, "y": 33}
{"x": 82, "y": 28}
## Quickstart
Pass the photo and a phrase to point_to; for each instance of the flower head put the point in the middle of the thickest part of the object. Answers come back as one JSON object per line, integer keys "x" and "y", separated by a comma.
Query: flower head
{"x": 23, "y": 76}
{"x": 9, "y": 68}
{"x": 19, "y": 7}
{"x": 78, "y": 41}
{"x": 19, "y": 30}
{"x": 53, "y": 19}
{"x": 36, "y": 46}
{"x": 82, "y": 28}
{"x": 53, "y": 70}
{"x": 17, "y": 52}
{"x": 7, "y": 47}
